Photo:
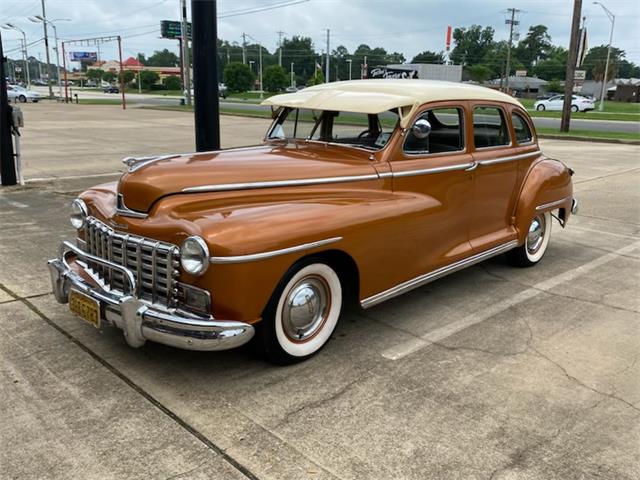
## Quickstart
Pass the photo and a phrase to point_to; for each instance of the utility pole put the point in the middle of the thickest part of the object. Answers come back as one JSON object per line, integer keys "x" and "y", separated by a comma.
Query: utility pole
{"x": 292, "y": 84}
{"x": 260, "y": 73}
{"x": 350, "y": 61}
{"x": 326, "y": 66}
{"x": 511, "y": 23}
{"x": 184, "y": 32}
{"x": 244, "y": 48}
{"x": 612, "y": 18}
{"x": 205, "y": 75}
{"x": 571, "y": 66}
{"x": 46, "y": 49}
{"x": 280, "y": 33}
{"x": 7, "y": 159}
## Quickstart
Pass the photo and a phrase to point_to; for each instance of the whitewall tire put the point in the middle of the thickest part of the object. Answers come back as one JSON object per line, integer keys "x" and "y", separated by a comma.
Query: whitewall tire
{"x": 302, "y": 314}
{"x": 535, "y": 243}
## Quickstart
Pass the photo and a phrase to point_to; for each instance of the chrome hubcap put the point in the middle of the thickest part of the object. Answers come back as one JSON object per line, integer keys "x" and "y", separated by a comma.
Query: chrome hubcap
{"x": 535, "y": 237}
{"x": 305, "y": 308}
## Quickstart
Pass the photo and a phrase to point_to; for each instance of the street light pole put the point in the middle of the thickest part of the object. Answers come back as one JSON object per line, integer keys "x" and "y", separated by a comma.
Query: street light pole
{"x": 292, "y": 75}
{"x": 11, "y": 26}
{"x": 612, "y": 17}
{"x": 40, "y": 18}
{"x": 350, "y": 62}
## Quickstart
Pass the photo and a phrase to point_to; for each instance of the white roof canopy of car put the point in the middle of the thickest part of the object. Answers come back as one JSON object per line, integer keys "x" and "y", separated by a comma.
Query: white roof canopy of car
{"x": 377, "y": 96}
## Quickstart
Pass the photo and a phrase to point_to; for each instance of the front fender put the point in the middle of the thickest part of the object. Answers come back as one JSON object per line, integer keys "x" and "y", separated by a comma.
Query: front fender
{"x": 547, "y": 186}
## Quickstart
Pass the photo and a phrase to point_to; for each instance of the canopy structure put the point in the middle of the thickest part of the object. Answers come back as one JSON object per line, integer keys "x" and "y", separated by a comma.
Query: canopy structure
{"x": 377, "y": 96}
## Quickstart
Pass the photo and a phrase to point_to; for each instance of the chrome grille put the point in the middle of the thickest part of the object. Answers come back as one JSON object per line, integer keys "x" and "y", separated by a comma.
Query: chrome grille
{"x": 153, "y": 263}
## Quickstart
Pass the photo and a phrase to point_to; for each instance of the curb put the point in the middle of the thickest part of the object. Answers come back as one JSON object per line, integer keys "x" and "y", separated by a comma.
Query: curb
{"x": 589, "y": 139}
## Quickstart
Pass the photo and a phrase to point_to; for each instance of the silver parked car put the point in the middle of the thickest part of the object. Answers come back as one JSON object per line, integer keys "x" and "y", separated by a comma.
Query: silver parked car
{"x": 17, "y": 93}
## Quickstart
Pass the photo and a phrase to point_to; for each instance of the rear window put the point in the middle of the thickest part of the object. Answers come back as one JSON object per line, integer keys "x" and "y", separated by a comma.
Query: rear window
{"x": 521, "y": 127}
{"x": 489, "y": 127}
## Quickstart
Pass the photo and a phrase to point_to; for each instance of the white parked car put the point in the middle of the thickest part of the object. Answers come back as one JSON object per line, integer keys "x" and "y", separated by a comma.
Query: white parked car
{"x": 17, "y": 93}
{"x": 578, "y": 103}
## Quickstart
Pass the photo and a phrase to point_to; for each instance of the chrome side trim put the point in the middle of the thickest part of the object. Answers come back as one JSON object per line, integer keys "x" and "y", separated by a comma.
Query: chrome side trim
{"x": 427, "y": 171}
{"x": 436, "y": 274}
{"x": 557, "y": 203}
{"x": 510, "y": 158}
{"x": 274, "y": 253}
{"x": 225, "y": 187}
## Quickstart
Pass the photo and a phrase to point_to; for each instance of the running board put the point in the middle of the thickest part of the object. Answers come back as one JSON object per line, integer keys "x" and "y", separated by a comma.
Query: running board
{"x": 436, "y": 274}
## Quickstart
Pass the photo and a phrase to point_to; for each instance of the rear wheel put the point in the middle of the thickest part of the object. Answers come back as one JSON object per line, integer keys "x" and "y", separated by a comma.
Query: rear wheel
{"x": 22, "y": 99}
{"x": 302, "y": 313}
{"x": 540, "y": 108}
{"x": 574, "y": 108}
{"x": 535, "y": 244}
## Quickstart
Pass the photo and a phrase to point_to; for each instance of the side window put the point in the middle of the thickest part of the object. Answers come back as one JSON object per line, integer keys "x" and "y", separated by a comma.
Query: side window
{"x": 489, "y": 127}
{"x": 521, "y": 127}
{"x": 447, "y": 133}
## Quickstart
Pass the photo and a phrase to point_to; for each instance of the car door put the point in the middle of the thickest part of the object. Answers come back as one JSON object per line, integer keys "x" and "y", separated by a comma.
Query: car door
{"x": 434, "y": 169}
{"x": 555, "y": 103}
{"x": 495, "y": 176}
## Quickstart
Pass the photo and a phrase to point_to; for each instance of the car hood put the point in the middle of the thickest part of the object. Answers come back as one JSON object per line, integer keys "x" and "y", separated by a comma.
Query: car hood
{"x": 237, "y": 169}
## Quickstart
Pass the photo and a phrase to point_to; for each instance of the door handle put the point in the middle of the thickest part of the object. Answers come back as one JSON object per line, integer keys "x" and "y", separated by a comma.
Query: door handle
{"x": 472, "y": 167}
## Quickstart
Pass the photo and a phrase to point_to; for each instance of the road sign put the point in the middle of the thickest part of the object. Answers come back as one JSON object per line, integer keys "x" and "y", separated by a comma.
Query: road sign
{"x": 580, "y": 75}
{"x": 173, "y": 29}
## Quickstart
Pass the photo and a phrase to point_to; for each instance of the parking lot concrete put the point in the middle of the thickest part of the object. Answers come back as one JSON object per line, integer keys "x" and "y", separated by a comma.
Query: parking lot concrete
{"x": 491, "y": 373}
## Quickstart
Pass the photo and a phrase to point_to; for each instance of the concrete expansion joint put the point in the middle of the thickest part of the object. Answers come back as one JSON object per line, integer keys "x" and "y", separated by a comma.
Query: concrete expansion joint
{"x": 129, "y": 382}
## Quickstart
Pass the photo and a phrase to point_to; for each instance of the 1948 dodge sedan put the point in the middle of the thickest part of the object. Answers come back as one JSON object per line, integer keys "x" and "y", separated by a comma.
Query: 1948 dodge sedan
{"x": 361, "y": 191}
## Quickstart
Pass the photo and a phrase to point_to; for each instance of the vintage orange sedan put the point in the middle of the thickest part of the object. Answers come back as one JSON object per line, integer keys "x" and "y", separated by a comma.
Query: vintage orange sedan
{"x": 361, "y": 191}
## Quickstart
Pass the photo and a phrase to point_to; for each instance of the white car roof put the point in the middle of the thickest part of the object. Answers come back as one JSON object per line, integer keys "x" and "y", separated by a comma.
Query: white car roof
{"x": 377, "y": 96}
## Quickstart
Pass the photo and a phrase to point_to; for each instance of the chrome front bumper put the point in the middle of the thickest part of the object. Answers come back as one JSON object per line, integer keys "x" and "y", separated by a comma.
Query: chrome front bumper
{"x": 139, "y": 320}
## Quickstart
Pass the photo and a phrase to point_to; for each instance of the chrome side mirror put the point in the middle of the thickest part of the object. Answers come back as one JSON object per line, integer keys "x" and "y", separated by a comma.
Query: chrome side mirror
{"x": 421, "y": 129}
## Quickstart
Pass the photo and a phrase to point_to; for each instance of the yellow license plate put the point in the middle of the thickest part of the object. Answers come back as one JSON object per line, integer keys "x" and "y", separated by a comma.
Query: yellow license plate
{"x": 85, "y": 307}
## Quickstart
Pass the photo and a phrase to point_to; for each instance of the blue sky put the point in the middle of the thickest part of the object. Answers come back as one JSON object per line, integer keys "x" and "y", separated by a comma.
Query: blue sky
{"x": 407, "y": 26}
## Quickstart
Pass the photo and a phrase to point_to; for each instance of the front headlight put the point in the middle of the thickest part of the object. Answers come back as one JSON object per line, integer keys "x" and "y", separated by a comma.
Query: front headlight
{"x": 194, "y": 256}
{"x": 79, "y": 213}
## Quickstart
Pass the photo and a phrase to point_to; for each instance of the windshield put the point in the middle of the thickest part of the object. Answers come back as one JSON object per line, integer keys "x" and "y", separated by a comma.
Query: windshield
{"x": 369, "y": 131}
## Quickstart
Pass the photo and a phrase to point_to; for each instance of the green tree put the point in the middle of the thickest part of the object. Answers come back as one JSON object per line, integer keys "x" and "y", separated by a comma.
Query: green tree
{"x": 95, "y": 74}
{"x": 300, "y": 52}
{"x": 238, "y": 77}
{"x": 596, "y": 59}
{"x": 428, "y": 57}
{"x": 161, "y": 58}
{"x": 479, "y": 73}
{"x": 109, "y": 76}
{"x": 148, "y": 79}
{"x": 126, "y": 76}
{"x": 274, "y": 78}
{"x": 554, "y": 66}
{"x": 553, "y": 86}
{"x": 627, "y": 69}
{"x": 316, "y": 79}
{"x": 534, "y": 47}
{"x": 471, "y": 44}
{"x": 172, "y": 82}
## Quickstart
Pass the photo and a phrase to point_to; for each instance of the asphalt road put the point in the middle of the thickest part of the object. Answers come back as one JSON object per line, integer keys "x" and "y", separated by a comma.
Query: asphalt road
{"x": 579, "y": 124}
{"x": 492, "y": 373}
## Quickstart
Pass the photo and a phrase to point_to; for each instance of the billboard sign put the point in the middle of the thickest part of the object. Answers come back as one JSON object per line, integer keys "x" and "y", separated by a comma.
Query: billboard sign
{"x": 521, "y": 73}
{"x": 386, "y": 72}
{"x": 87, "y": 57}
{"x": 172, "y": 29}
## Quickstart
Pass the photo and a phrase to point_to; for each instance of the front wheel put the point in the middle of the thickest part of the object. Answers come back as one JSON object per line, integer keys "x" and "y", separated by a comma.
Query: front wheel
{"x": 540, "y": 108}
{"x": 535, "y": 244}
{"x": 575, "y": 108}
{"x": 22, "y": 99}
{"x": 302, "y": 313}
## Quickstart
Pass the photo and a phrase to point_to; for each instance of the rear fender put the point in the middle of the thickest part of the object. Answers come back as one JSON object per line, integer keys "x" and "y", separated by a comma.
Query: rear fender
{"x": 547, "y": 187}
